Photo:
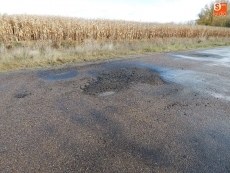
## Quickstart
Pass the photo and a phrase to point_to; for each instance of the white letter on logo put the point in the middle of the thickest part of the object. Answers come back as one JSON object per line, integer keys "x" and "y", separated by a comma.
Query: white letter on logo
{"x": 217, "y": 6}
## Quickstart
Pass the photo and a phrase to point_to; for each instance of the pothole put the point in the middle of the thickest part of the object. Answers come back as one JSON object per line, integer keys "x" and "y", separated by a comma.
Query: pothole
{"x": 116, "y": 80}
{"x": 52, "y": 76}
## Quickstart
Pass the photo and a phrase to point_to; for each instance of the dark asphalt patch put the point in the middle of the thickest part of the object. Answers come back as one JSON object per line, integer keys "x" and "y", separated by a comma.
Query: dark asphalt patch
{"x": 119, "y": 79}
{"x": 114, "y": 143}
{"x": 22, "y": 95}
{"x": 204, "y": 55}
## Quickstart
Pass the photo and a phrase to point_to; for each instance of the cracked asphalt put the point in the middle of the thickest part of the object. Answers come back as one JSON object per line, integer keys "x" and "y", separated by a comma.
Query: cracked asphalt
{"x": 165, "y": 112}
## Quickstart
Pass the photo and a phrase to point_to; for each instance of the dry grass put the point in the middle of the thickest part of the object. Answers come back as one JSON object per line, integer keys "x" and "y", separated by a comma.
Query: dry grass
{"x": 42, "y": 53}
{"x": 32, "y": 41}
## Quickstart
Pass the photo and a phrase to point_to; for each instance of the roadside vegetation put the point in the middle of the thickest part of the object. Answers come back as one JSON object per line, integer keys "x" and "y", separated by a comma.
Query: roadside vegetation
{"x": 36, "y": 41}
{"x": 206, "y": 16}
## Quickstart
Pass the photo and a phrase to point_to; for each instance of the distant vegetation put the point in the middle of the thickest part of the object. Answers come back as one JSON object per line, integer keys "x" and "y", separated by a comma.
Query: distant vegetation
{"x": 206, "y": 16}
{"x": 32, "y": 41}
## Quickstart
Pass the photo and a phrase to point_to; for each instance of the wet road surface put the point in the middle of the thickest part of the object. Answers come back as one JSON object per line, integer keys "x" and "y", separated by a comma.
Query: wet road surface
{"x": 155, "y": 113}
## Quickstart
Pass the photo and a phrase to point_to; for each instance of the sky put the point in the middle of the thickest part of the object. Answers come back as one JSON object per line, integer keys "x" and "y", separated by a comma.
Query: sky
{"x": 163, "y": 11}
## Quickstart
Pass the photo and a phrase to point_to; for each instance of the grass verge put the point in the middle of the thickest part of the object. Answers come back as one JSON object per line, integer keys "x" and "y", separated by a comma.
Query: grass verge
{"x": 17, "y": 55}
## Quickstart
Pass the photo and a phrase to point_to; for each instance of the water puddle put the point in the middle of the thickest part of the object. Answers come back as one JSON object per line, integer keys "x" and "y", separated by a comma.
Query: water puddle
{"x": 214, "y": 85}
{"x": 219, "y": 56}
{"x": 223, "y": 61}
{"x": 58, "y": 76}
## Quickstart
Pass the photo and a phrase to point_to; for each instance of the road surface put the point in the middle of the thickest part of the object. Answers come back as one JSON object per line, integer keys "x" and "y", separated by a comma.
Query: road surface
{"x": 164, "y": 112}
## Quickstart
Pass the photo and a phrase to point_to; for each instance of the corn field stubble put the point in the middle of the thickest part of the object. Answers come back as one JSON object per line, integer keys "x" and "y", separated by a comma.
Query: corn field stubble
{"x": 37, "y": 41}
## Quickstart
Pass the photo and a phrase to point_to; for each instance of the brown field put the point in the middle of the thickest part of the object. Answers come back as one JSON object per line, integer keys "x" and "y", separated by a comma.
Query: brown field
{"x": 28, "y": 27}
{"x": 32, "y": 41}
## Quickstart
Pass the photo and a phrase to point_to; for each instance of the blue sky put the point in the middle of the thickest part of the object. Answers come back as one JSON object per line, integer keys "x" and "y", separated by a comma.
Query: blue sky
{"x": 137, "y": 10}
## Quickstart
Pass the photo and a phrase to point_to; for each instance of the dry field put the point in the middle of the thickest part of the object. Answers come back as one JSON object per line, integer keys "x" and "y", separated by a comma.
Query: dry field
{"x": 26, "y": 28}
{"x": 29, "y": 41}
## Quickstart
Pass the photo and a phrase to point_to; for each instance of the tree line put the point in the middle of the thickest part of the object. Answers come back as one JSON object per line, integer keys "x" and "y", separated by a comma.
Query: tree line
{"x": 206, "y": 16}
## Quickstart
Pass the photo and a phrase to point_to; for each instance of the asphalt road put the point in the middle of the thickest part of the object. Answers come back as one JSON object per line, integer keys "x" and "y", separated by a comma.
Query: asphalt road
{"x": 165, "y": 112}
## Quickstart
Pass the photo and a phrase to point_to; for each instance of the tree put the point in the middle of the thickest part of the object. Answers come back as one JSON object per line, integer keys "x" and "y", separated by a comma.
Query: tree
{"x": 206, "y": 17}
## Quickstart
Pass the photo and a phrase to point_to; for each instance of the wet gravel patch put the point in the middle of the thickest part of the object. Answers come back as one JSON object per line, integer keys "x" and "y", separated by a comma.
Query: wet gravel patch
{"x": 58, "y": 75}
{"x": 120, "y": 79}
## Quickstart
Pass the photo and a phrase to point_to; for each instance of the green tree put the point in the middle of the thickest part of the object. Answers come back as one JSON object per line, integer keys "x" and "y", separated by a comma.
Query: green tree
{"x": 206, "y": 16}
